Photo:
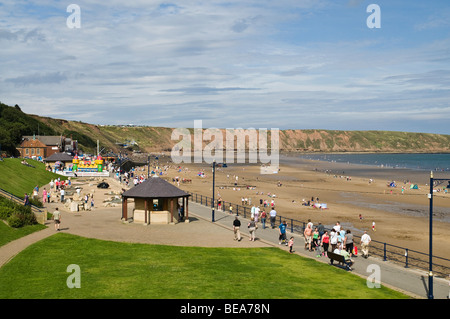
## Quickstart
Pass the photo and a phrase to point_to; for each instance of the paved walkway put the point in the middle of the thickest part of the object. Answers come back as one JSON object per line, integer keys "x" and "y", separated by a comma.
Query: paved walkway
{"x": 104, "y": 223}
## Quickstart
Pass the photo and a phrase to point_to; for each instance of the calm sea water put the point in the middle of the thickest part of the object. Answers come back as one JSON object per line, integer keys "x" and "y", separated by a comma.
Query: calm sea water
{"x": 428, "y": 162}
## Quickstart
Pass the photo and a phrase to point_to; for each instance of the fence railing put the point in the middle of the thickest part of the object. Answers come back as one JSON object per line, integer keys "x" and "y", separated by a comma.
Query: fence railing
{"x": 18, "y": 200}
{"x": 401, "y": 255}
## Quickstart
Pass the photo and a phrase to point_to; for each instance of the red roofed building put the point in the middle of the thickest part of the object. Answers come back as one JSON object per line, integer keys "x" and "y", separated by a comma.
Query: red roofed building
{"x": 30, "y": 148}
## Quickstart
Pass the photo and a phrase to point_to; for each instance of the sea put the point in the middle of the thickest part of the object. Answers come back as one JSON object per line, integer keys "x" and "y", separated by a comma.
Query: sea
{"x": 401, "y": 168}
{"x": 425, "y": 162}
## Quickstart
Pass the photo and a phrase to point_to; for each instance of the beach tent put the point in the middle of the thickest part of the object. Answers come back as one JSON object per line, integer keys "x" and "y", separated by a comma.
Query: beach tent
{"x": 414, "y": 186}
{"x": 392, "y": 184}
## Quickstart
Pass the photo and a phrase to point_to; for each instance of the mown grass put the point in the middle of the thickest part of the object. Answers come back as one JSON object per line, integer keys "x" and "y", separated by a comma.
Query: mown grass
{"x": 132, "y": 271}
{"x": 19, "y": 179}
{"x": 8, "y": 234}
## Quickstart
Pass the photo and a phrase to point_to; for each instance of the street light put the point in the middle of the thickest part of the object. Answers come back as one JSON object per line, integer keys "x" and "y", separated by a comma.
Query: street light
{"x": 430, "y": 266}
{"x": 214, "y": 180}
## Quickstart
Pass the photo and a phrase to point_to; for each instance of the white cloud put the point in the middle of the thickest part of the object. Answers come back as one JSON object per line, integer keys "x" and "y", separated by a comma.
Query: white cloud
{"x": 240, "y": 63}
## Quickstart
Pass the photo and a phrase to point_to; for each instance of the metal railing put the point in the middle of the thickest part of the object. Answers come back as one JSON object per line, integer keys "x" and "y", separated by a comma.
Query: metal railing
{"x": 18, "y": 200}
{"x": 401, "y": 255}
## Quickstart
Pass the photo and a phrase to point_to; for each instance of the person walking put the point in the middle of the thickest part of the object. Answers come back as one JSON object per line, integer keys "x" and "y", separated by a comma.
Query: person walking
{"x": 44, "y": 196}
{"x": 315, "y": 239}
{"x": 325, "y": 242}
{"x": 282, "y": 233}
{"x": 252, "y": 229}
{"x": 333, "y": 239}
{"x": 273, "y": 214}
{"x": 365, "y": 241}
{"x": 57, "y": 219}
{"x": 236, "y": 229}
{"x": 26, "y": 200}
{"x": 308, "y": 237}
{"x": 263, "y": 219}
{"x": 291, "y": 245}
{"x": 62, "y": 192}
{"x": 348, "y": 242}
{"x": 321, "y": 229}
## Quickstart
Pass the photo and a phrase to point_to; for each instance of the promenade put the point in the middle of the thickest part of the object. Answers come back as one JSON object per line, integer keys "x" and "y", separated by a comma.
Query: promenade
{"x": 105, "y": 223}
{"x": 407, "y": 280}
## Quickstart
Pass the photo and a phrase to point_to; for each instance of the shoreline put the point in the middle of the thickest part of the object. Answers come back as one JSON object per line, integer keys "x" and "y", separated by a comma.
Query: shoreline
{"x": 365, "y": 170}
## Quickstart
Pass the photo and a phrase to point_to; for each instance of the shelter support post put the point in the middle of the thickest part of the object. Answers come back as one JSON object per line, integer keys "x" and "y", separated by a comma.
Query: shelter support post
{"x": 145, "y": 211}
{"x": 186, "y": 208}
{"x": 124, "y": 209}
{"x": 171, "y": 210}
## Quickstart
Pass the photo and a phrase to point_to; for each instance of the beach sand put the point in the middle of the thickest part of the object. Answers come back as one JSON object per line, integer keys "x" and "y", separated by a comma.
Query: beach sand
{"x": 401, "y": 219}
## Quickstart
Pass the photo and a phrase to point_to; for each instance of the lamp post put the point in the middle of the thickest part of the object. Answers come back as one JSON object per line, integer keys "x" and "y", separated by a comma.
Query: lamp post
{"x": 148, "y": 166}
{"x": 430, "y": 249}
{"x": 214, "y": 180}
{"x": 430, "y": 266}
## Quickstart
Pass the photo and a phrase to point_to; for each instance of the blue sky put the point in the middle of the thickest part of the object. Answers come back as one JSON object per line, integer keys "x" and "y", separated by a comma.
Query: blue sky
{"x": 232, "y": 64}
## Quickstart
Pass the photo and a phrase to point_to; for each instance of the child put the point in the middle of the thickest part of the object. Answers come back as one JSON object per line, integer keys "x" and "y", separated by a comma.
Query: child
{"x": 291, "y": 244}
{"x": 318, "y": 249}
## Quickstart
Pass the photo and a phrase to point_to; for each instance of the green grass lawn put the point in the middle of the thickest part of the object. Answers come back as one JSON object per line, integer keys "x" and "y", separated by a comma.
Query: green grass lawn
{"x": 8, "y": 234}
{"x": 17, "y": 178}
{"x": 131, "y": 271}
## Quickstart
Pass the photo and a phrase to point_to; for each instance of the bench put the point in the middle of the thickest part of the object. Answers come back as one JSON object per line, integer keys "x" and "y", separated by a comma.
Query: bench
{"x": 339, "y": 258}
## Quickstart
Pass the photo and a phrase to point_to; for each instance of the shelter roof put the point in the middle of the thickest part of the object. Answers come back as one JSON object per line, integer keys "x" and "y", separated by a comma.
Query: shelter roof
{"x": 62, "y": 157}
{"x": 155, "y": 187}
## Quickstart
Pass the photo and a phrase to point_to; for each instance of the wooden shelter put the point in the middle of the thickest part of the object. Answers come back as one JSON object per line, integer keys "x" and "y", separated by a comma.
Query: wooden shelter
{"x": 155, "y": 202}
{"x": 59, "y": 161}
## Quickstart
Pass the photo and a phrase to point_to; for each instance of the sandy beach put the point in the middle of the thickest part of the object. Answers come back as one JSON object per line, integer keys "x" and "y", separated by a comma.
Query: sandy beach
{"x": 348, "y": 190}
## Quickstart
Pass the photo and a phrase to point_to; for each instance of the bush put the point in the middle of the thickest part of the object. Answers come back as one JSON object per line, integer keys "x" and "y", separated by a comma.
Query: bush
{"x": 20, "y": 219}
{"x": 15, "y": 221}
{"x": 5, "y": 212}
{"x": 15, "y": 214}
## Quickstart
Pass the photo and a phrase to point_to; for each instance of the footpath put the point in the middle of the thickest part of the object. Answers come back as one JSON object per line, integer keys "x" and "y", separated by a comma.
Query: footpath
{"x": 410, "y": 281}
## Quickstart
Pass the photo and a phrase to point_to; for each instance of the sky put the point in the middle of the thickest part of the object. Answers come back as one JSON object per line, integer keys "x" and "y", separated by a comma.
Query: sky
{"x": 300, "y": 64}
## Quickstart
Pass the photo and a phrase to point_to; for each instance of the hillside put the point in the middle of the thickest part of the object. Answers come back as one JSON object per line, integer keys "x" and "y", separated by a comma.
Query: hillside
{"x": 18, "y": 179}
{"x": 155, "y": 139}
{"x": 14, "y": 124}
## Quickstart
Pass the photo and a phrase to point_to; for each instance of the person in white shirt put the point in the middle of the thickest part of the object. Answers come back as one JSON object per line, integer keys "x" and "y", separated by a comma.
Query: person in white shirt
{"x": 365, "y": 241}
{"x": 252, "y": 211}
{"x": 333, "y": 239}
{"x": 337, "y": 227}
{"x": 62, "y": 193}
{"x": 273, "y": 214}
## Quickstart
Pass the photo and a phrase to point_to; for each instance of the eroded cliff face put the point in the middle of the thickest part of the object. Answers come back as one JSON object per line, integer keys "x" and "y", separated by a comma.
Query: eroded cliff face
{"x": 156, "y": 139}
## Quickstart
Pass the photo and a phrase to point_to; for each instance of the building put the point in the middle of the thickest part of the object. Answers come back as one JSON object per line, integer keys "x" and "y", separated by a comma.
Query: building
{"x": 45, "y": 146}
{"x": 59, "y": 161}
{"x": 155, "y": 202}
{"x": 32, "y": 148}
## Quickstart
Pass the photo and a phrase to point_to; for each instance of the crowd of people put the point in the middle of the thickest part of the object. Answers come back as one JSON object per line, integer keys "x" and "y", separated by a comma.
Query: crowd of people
{"x": 316, "y": 238}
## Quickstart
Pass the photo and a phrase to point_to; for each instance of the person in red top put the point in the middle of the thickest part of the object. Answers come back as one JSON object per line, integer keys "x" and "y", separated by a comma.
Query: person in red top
{"x": 263, "y": 219}
{"x": 325, "y": 242}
